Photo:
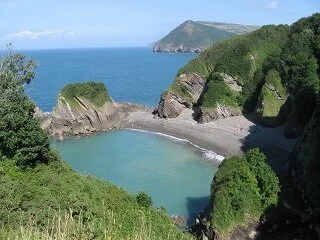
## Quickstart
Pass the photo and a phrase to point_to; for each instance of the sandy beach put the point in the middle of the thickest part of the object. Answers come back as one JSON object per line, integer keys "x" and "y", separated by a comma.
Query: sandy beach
{"x": 230, "y": 136}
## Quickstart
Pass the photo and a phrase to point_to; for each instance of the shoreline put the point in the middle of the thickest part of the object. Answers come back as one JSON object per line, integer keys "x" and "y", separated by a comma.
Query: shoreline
{"x": 206, "y": 153}
{"x": 226, "y": 137}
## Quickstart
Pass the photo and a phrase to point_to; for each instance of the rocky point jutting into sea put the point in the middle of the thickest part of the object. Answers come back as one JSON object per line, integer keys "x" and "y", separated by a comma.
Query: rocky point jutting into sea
{"x": 77, "y": 114}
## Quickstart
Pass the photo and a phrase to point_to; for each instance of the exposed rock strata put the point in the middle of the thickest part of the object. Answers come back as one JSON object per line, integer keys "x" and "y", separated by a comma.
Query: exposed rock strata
{"x": 171, "y": 48}
{"x": 221, "y": 111}
{"x": 192, "y": 87}
{"x": 172, "y": 103}
{"x": 85, "y": 118}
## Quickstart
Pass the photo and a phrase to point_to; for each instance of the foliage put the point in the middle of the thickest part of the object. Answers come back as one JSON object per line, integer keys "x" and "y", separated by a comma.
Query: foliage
{"x": 305, "y": 165}
{"x": 54, "y": 190}
{"x": 268, "y": 182}
{"x": 272, "y": 99}
{"x": 243, "y": 57}
{"x": 96, "y": 92}
{"x": 300, "y": 68}
{"x": 242, "y": 185}
{"x": 218, "y": 92}
{"x": 21, "y": 138}
{"x": 143, "y": 199}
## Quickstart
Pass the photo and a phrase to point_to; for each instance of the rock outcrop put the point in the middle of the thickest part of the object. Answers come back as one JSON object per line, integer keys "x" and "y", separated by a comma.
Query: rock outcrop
{"x": 181, "y": 48}
{"x": 174, "y": 101}
{"x": 221, "y": 111}
{"x": 86, "y": 118}
{"x": 84, "y": 108}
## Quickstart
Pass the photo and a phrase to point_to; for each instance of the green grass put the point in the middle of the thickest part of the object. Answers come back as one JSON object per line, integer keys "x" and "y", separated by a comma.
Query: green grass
{"x": 218, "y": 92}
{"x": 48, "y": 192}
{"x": 95, "y": 92}
{"x": 242, "y": 185}
{"x": 269, "y": 106}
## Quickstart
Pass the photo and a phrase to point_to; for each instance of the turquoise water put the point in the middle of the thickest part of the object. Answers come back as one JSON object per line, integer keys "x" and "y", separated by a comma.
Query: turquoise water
{"x": 131, "y": 74}
{"x": 171, "y": 171}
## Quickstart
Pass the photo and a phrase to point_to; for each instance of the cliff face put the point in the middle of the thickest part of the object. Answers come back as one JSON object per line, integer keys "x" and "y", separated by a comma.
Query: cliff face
{"x": 86, "y": 118}
{"x": 185, "y": 94}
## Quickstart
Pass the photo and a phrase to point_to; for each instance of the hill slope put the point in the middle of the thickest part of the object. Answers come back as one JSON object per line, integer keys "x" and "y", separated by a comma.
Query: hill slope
{"x": 191, "y": 36}
{"x": 231, "y": 27}
{"x": 272, "y": 72}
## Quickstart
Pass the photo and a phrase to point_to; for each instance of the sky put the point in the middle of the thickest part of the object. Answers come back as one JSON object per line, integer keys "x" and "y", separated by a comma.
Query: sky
{"x": 46, "y": 24}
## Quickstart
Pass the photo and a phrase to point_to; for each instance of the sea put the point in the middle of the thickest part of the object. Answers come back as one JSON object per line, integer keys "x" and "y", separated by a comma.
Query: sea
{"x": 175, "y": 173}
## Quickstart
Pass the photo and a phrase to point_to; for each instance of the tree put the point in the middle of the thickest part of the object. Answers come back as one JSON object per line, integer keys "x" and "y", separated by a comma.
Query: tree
{"x": 21, "y": 138}
{"x": 144, "y": 199}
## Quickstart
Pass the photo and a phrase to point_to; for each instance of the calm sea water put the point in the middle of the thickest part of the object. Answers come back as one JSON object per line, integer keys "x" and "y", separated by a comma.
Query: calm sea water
{"x": 171, "y": 171}
{"x": 131, "y": 74}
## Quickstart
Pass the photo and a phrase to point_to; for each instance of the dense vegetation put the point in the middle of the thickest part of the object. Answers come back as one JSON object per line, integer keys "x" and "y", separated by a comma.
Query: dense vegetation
{"x": 38, "y": 195}
{"x": 95, "y": 92}
{"x": 218, "y": 92}
{"x": 41, "y": 197}
{"x": 270, "y": 64}
{"x": 21, "y": 138}
{"x": 242, "y": 57}
{"x": 193, "y": 34}
{"x": 242, "y": 185}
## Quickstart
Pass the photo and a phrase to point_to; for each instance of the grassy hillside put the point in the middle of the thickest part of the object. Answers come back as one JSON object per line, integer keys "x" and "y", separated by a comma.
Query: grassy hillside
{"x": 34, "y": 197}
{"x": 231, "y": 27}
{"x": 193, "y": 34}
{"x": 242, "y": 57}
{"x": 96, "y": 92}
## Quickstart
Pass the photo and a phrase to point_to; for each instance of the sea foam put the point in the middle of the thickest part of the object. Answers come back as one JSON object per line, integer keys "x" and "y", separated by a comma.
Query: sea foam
{"x": 208, "y": 154}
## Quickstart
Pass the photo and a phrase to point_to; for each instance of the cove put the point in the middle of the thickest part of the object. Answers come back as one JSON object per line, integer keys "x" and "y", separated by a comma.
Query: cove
{"x": 172, "y": 172}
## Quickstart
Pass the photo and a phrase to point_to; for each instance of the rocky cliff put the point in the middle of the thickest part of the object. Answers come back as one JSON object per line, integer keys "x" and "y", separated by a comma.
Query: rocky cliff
{"x": 77, "y": 115}
{"x": 183, "y": 94}
{"x": 188, "y": 91}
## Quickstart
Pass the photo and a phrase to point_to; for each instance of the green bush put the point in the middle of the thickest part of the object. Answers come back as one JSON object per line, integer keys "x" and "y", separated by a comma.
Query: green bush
{"x": 96, "y": 92}
{"x": 242, "y": 185}
{"x": 143, "y": 199}
{"x": 218, "y": 92}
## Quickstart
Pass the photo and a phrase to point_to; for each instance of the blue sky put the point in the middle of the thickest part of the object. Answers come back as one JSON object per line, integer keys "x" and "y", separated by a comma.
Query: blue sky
{"x": 36, "y": 24}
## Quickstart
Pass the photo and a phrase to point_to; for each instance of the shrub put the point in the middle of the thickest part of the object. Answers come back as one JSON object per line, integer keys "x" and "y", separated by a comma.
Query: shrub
{"x": 96, "y": 92}
{"x": 143, "y": 199}
{"x": 242, "y": 185}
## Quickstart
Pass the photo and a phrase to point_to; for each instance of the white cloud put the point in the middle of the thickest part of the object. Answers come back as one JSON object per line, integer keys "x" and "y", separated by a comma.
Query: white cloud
{"x": 26, "y": 34}
{"x": 272, "y": 5}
